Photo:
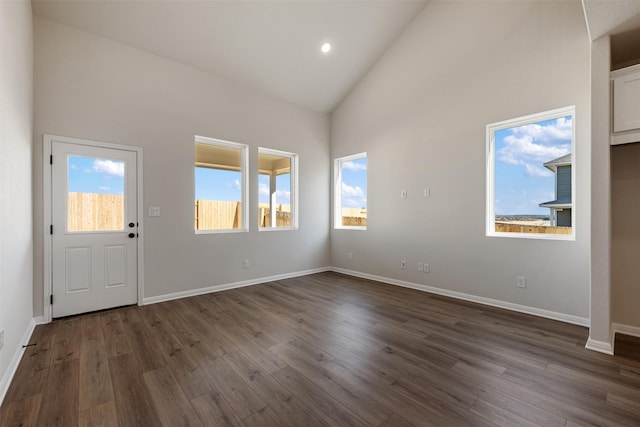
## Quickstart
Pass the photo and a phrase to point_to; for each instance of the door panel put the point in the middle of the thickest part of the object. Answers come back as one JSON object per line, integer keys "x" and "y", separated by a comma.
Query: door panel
{"x": 94, "y": 213}
{"x": 115, "y": 265}
{"x": 78, "y": 269}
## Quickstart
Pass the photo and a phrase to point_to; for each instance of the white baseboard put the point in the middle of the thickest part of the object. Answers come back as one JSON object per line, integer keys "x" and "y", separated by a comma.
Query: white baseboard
{"x": 227, "y": 286}
{"x": 15, "y": 361}
{"x": 567, "y": 318}
{"x": 619, "y": 328}
{"x": 600, "y": 346}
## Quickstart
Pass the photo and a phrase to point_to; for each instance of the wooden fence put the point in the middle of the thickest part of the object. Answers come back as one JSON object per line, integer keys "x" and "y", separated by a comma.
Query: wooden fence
{"x": 95, "y": 212}
{"x": 103, "y": 212}
{"x": 218, "y": 215}
{"x": 221, "y": 215}
{"x": 354, "y": 217}
{"x": 354, "y": 221}
{"x": 505, "y": 227}
{"x": 283, "y": 218}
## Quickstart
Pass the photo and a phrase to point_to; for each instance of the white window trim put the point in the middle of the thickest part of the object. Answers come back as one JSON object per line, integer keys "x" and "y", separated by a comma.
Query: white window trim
{"x": 337, "y": 191}
{"x": 490, "y": 171}
{"x": 244, "y": 167}
{"x": 293, "y": 201}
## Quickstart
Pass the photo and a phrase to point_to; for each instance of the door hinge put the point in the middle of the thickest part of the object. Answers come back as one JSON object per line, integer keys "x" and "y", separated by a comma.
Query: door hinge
{"x": 51, "y": 299}
{"x": 51, "y": 159}
{"x": 51, "y": 229}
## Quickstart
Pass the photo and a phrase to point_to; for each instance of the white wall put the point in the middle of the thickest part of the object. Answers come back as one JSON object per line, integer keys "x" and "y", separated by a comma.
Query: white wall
{"x": 93, "y": 88}
{"x": 16, "y": 248}
{"x": 421, "y": 113}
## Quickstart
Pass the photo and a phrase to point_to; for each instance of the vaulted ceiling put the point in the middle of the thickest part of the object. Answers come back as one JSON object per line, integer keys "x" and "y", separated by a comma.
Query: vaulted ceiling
{"x": 272, "y": 46}
{"x": 611, "y": 16}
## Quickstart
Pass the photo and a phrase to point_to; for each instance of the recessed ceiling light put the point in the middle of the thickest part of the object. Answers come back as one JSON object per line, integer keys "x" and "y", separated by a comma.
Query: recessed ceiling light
{"x": 326, "y": 47}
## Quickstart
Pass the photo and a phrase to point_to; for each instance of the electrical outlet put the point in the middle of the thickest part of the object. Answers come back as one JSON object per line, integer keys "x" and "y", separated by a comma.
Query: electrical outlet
{"x": 403, "y": 264}
{"x": 1, "y": 339}
{"x": 154, "y": 211}
{"x": 245, "y": 263}
{"x": 420, "y": 266}
{"x": 426, "y": 268}
{"x": 521, "y": 282}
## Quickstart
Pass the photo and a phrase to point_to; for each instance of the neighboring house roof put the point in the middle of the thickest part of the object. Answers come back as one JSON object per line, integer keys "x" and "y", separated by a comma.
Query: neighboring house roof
{"x": 552, "y": 165}
{"x": 564, "y": 200}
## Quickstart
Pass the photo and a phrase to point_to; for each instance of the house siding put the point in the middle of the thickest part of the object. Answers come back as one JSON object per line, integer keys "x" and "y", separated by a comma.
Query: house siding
{"x": 563, "y": 218}
{"x": 563, "y": 183}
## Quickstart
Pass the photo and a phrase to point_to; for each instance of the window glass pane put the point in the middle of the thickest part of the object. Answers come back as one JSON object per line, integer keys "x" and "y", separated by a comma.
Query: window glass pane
{"x": 264, "y": 184}
{"x": 276, "y": 207}
{"x": 95, "y": 194}
{"x": 533, "y": 177}
{"x": 353, "y": 206}
{"x": 218, "y": 187}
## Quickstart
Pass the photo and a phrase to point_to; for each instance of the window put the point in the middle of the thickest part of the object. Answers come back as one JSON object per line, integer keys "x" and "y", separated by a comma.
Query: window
{"x": 350, "y": 192}
{"x": 95, "y": 194}
{"x": 277, "y": 190}
{"x": 531, "y": 176}
{"x": 220, "y": 185}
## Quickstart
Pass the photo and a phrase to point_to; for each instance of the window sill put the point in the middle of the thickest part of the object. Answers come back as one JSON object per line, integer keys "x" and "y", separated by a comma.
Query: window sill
{"x": 536, "y": 236}
{"x": 277, "y": 228}
{"x": 226, "y": 231}
{"x": 350, "y": 228}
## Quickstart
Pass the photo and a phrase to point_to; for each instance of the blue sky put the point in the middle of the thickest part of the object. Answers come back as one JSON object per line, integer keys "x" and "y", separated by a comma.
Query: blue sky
{"x": 216, "y": 184}
{"x": 521, "y": 180}
{"x": 283, "y": 189}
{"x": 91, "y": 175}
{"x": 354, "y": 184}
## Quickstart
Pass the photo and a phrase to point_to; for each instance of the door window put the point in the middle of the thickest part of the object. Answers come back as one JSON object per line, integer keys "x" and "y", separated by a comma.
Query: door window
{"x": 95, "y": 194}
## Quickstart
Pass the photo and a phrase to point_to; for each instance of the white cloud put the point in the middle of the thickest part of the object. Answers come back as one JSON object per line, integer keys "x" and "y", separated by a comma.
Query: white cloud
{"x": 353, "y": 197}
{"x": 237, "y": 185}
{"x": 533, "y": 170}
{"x": 263, "y": 189}
{"x": 283, "y": 195}
{"x": 108, "y": 166}
{"x": 532, "y": 145}
{"x": 104, "y": 188}
{"x": 355, "y": 167}
{"x": 349, "y": 191}
{"x": 523, "y": 202}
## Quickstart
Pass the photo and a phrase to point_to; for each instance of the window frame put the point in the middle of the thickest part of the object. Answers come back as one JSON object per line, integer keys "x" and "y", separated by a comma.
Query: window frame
{"x": 244, "y": 181}
{"x": 293, "y": 177}
{"x": 491, "y": 129}
{"x": 337, "y": 191}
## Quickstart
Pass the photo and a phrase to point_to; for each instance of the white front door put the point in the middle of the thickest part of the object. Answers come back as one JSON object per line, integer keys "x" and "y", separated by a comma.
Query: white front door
{"x": 94, "y": 228}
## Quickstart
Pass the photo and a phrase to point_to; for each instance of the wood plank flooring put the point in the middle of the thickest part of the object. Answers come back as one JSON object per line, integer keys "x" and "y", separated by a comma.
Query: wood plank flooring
{"x": 320, "y": 350}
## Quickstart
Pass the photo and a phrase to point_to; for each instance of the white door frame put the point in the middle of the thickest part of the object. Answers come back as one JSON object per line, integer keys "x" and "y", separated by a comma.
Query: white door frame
{"x": 47, "y": 217}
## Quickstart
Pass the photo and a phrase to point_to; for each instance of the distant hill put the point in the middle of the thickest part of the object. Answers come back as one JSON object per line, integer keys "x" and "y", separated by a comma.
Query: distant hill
{"x": 522, "y": 217}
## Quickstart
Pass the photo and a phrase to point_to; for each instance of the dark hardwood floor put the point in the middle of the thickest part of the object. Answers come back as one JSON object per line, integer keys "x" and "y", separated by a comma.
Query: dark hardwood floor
{"x": 320, "y": 350}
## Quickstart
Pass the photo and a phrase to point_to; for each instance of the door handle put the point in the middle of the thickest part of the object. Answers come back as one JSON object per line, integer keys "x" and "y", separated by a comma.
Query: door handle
{"x": 132, "y": 235}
